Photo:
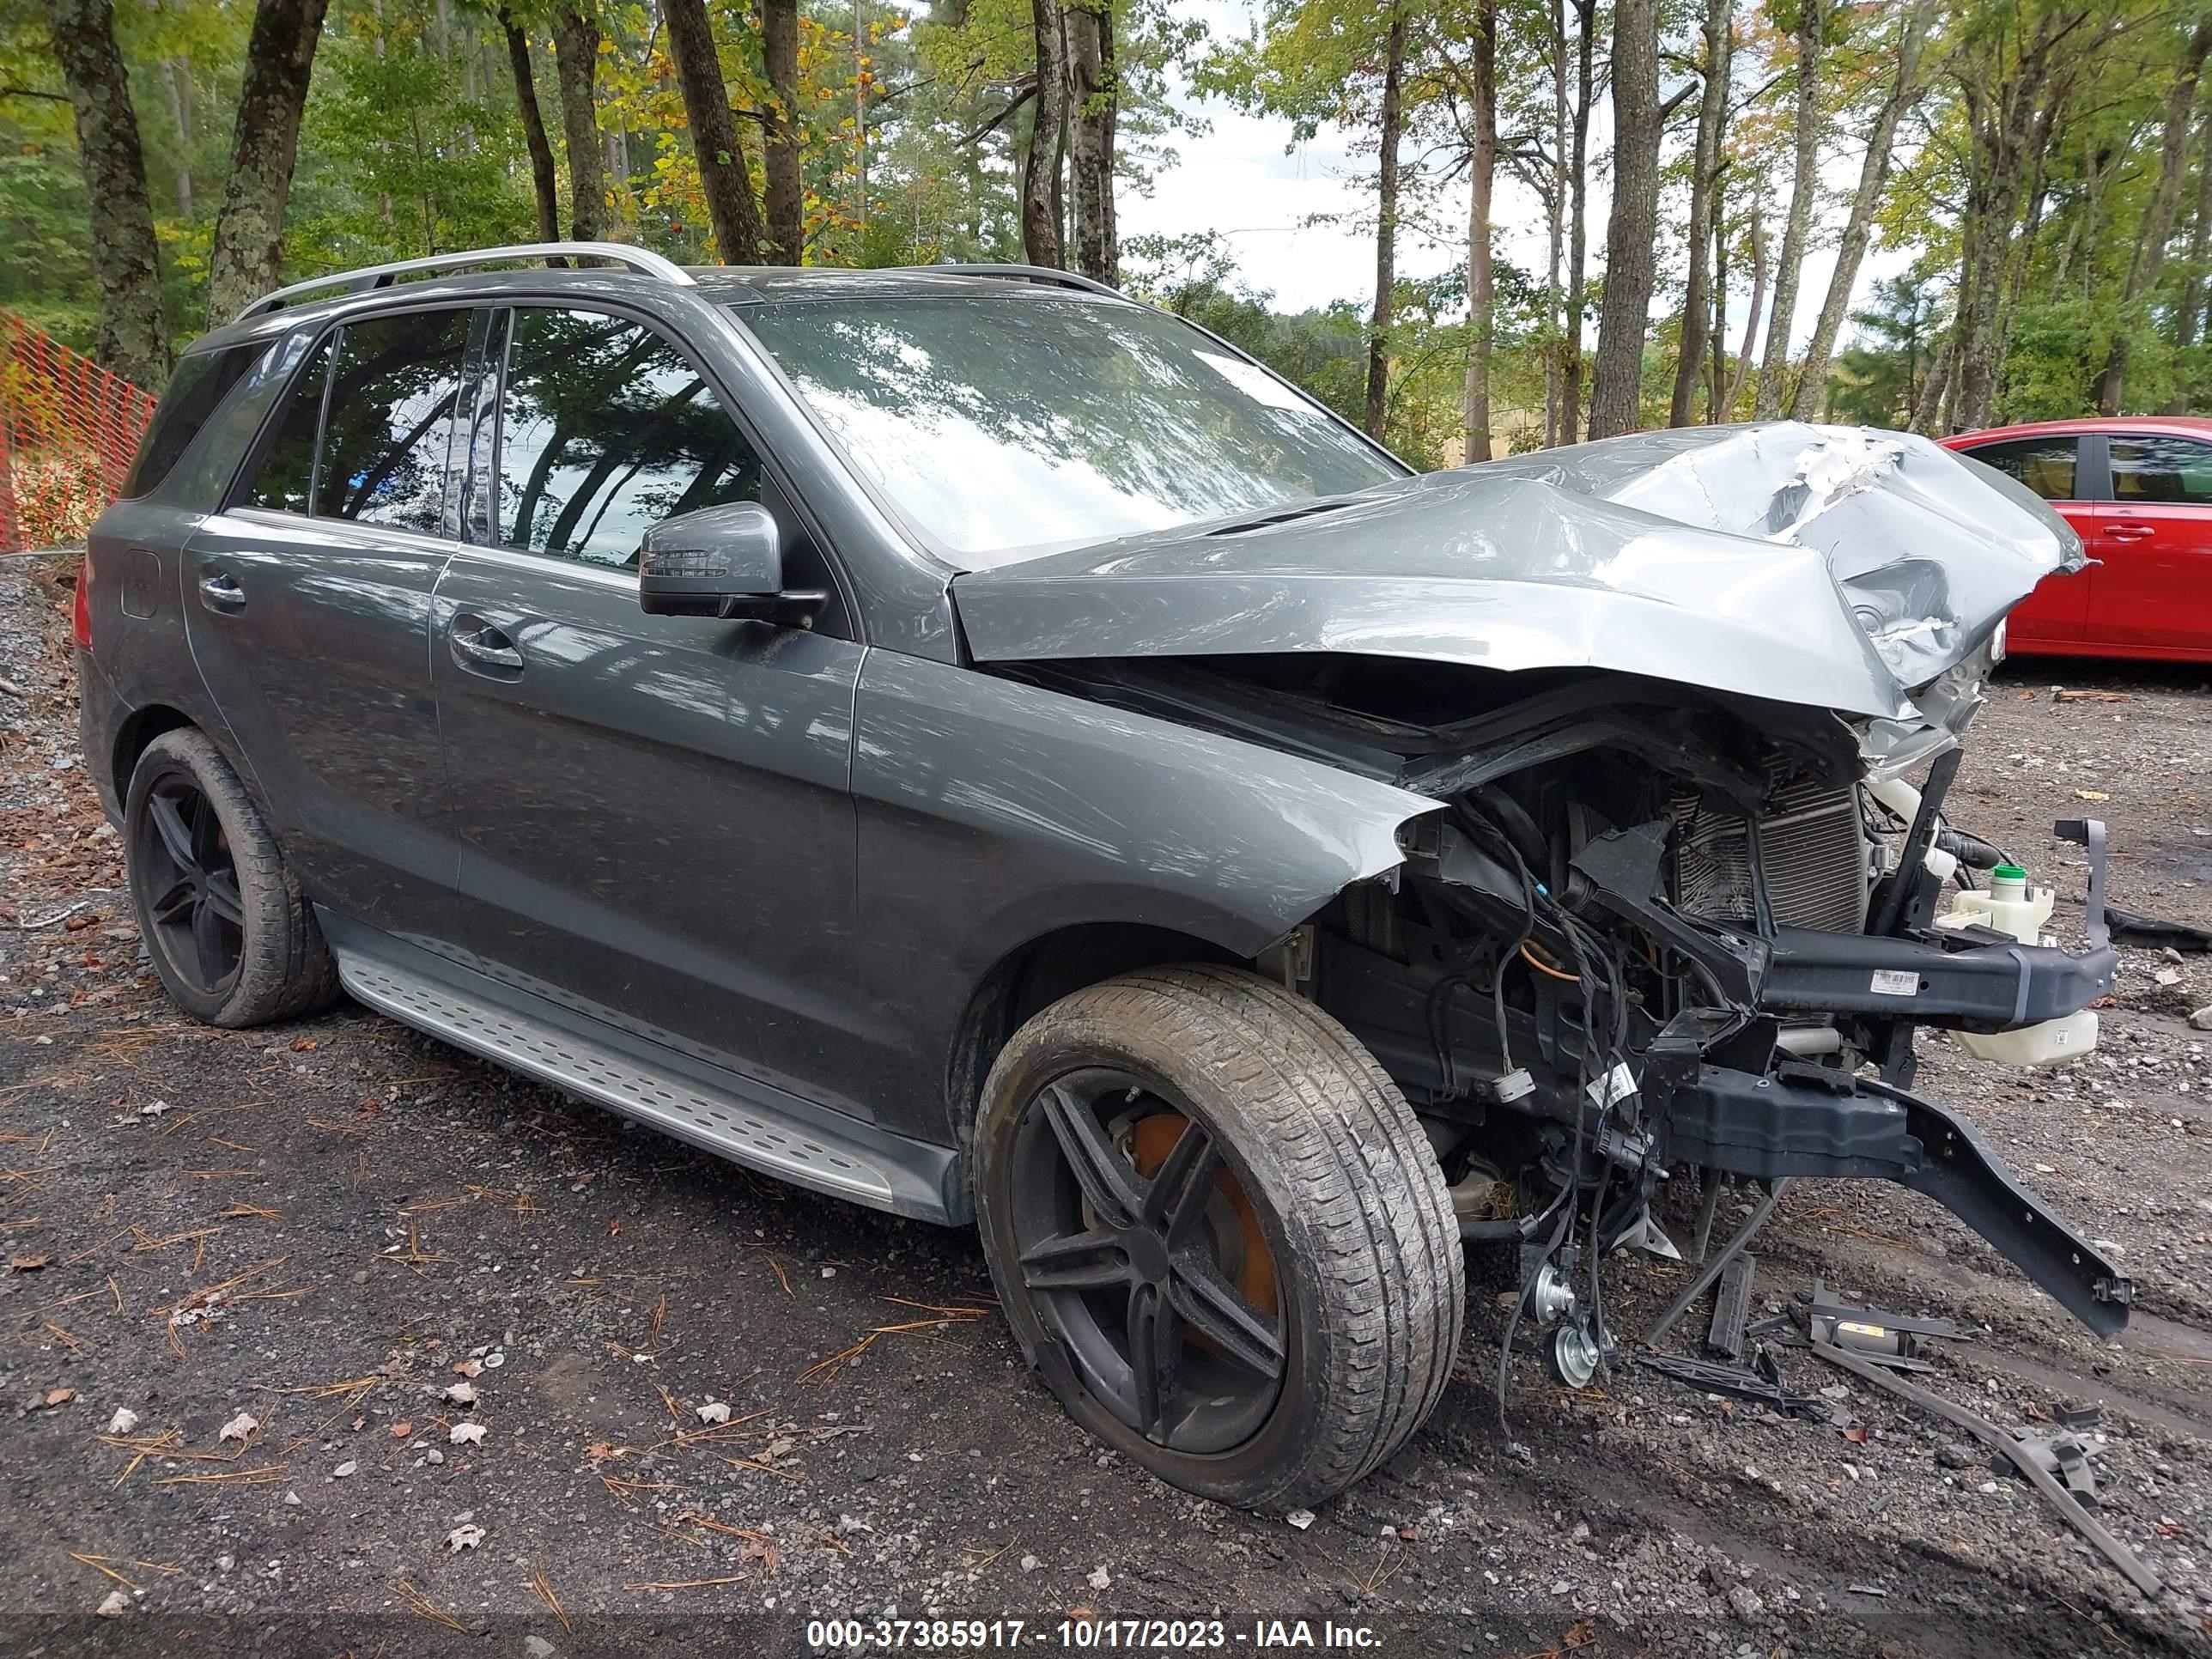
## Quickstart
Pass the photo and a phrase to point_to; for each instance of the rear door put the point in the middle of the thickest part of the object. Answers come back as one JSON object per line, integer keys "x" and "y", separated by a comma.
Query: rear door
{"x": 307, "y": 605}
{"x": 2057, "y": 469}
{"x": 2155, "y": 591}
{"x": 653, "y": 812}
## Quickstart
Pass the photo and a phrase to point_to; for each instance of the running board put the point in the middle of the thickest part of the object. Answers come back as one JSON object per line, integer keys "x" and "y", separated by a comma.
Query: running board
{"x": 745, "y": 1130}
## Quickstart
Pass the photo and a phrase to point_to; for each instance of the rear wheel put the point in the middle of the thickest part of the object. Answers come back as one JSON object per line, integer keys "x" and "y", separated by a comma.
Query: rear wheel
{"x": 231, "y": 937}
{"x": 1219, "y": 1233}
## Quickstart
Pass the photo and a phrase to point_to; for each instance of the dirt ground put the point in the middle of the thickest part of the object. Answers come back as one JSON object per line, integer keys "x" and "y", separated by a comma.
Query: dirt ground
{"x": 321, "y": 1228}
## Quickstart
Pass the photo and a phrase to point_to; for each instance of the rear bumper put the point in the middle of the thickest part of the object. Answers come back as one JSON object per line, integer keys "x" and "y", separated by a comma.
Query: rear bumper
{"x": 99, "y": 716}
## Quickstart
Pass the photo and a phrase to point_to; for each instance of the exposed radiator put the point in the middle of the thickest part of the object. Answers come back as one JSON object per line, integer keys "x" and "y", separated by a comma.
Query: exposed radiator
{"x": 1811, "y": 844}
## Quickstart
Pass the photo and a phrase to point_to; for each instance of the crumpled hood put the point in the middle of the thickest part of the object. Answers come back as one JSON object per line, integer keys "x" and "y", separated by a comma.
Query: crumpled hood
{"x": 1835, "y": 567}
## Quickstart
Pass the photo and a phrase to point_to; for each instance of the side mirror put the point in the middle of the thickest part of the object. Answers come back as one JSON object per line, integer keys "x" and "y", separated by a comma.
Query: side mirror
{"x": 724, "y": 561}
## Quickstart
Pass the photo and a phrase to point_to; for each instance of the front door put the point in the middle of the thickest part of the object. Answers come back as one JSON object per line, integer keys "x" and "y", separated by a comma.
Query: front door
{"x": 2057, "y": 614}
{"x": 2155, "y": 591}
{"x": 653, "y": 812}
{"x": 307, "y": 604}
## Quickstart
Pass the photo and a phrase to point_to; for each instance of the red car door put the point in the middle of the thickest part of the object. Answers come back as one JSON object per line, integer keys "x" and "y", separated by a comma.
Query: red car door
{"x": 2056, "y": 616}
{"x": 2154, "y": 593}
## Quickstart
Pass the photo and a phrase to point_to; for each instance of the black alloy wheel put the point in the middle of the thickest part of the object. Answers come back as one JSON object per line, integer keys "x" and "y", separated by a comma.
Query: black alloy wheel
{"x": 1142, "y": 1247}
{"x": 1218, "y": 1234}
{"x": 196, "y": 917}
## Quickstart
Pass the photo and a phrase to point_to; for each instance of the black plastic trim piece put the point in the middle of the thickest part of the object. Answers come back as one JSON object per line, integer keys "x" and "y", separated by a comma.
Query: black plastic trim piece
{"x": 1990, "y": 988}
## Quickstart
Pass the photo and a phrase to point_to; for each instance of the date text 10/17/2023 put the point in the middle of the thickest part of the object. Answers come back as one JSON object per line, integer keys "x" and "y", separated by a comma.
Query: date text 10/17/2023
{"x": 1086, "y": 1635}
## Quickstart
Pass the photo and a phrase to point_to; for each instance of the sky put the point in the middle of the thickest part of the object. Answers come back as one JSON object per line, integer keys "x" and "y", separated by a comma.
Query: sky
{"x": 1245, "y": 178}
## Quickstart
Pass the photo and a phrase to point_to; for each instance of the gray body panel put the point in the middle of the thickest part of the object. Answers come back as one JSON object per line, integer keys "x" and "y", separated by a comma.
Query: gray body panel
{"x": 1819, "y": 566}
{"x": 653, "y": 815}
{"x": 993, "y": 814}
{"x": 322, "y": 668}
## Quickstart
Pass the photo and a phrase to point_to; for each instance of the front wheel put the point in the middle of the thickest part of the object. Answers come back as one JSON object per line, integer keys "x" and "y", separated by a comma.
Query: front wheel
{"x": 1219, "y": 1233}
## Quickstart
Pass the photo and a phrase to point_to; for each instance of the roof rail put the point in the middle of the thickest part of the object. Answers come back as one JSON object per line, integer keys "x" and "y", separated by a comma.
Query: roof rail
{"x": 375, "y": 276}
{"x": 1046, "y": 274}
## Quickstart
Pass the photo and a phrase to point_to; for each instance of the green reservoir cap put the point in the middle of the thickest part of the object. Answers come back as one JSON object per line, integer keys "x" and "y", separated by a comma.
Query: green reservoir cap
{"x": 2007, "y": 872}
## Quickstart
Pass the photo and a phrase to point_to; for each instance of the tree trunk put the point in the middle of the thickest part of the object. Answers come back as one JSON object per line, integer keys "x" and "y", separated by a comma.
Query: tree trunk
{"x": 1742, "y": 374}
{"x": 1632, "y": 226}
{"x": 576, "y": 59}
{"x": 1388, "y": 132}
{"x": 2189, "y": 314}
{"x": 2148, "y": 256}
{"x": 1929, "y": 405}
{"x": 1041, "y": 242}
{"x": 1555, "y": 209}
{"x": 131, "y": 339}
{"x": 1717, "y": 385}
{"x": 723, "y": 177}
{"x": 1858, "y": 228}
{"x": 1571, "y": 391}
{"x": 249, "y": 230}
{"x": 784, "y": 197}
{"x": 176, "y": 79}
{"x": 544, "y": 182}
{"x": 1481, "y": 284}
{"x": 2022, "y": 254}
{"x": 1093, "y": 99}
{"x": 1804, "y": 183}
{"x": 1704, "y": 170}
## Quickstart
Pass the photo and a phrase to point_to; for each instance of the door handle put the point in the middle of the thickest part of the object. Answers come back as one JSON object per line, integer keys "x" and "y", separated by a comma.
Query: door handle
{"x": 219, "y": 591}
{"x": 2131, "y": 532}
{"x": 481, "y": 649}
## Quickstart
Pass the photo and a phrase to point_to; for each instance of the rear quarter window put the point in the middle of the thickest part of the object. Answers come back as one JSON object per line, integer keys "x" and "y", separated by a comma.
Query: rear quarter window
{"x": 199, "y": 388}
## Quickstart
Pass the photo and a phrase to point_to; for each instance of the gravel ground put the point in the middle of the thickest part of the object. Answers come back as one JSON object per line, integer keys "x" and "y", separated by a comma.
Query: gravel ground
{"x": 325, "y": 1227}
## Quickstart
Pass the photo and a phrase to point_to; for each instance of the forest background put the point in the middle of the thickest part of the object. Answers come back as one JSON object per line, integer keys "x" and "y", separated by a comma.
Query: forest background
{"x": 1575, "y": 217}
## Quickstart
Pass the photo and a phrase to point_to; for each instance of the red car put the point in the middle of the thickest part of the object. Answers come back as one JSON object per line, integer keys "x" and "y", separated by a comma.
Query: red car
{"x": 2139, "y": 489}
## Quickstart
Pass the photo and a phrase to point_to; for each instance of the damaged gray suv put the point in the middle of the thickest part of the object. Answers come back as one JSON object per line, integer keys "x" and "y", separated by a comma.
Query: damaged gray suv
{"x": 966, "y": 742}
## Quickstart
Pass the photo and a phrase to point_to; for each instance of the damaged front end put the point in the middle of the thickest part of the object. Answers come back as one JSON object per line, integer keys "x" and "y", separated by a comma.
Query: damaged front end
{"x": 1674, "y": 913}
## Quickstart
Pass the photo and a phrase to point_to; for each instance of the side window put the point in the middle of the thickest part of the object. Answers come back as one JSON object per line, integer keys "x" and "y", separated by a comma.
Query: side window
{"x": 605, "y": 429}
{"x": 394, "y": 383}
{"x": 2153, "y": 468}
{"x": 196, "y": 390}
{"x": 2044, "y": 464}
{"x": 285, "y": 481}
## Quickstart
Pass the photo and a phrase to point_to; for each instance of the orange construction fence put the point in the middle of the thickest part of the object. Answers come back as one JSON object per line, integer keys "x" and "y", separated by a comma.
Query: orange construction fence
{"x": 68, "y": 430}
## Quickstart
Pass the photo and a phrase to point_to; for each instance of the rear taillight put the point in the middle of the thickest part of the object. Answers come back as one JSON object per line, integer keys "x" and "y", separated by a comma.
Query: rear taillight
{"x": 81, "y": 624}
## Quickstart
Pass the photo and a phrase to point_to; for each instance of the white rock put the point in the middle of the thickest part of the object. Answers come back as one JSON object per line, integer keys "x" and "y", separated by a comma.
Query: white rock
{"x": 465, "y": 1537}
{"x": 345, "y": 1469}
{"x": 464, "y": 1434}
{"x": 115, "y": 1605}
{"x": 123, "y": 1421}
{"x": 1300, "y": 1518}
{"x": 1100, "y": 1580}
{"x": 714, "y": 1411}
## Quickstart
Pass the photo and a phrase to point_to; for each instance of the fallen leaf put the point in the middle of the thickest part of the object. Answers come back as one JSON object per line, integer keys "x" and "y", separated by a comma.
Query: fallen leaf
{"x": 469, "y": 1367}
{"x": 123, "y": 1421}
{"x": 303, "y": 1045}
{"x": 714, "y": 1411}
{"x": 401, "y": 1430}
{"x": 115, "y": 1605}
{"x": 28, "y": 1264}
{"x": 154, "y": 1108}
{"x": 60, "y": 1396}
{"x": 464, "y": 1434}
{"x": 465, "y": 1537}
{"x": 462, "y": 1394}
{"x": 239, "y": 1428}
{"x": 2091, "y": 795}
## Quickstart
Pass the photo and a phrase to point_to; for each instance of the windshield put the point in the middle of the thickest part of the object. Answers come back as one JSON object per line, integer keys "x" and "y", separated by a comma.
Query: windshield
{"x": 1008, "y": 425}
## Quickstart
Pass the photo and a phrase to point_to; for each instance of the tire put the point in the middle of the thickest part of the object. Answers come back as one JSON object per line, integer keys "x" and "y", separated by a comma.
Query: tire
{"x": 261, "y": 957}
{"x": 1338, "y": 1184}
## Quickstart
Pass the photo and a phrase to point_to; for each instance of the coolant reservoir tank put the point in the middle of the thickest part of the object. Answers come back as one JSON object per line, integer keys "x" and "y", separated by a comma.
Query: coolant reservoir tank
{"x": 2011, "y": 906}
